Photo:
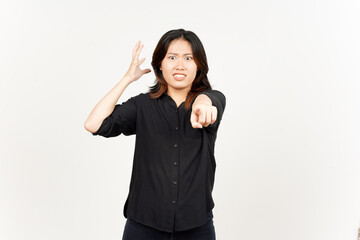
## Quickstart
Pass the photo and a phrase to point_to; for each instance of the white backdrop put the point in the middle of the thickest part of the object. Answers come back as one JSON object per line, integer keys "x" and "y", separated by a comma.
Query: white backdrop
{"x": 287, "y": 150}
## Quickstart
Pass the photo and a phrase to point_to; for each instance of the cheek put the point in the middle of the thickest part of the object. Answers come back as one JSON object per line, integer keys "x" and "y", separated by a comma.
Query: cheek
{"x": 194, "y": 69}
{"x": 166, "y": 67}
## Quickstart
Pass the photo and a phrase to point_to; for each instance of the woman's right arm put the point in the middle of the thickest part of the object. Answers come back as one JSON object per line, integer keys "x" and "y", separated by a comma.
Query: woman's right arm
{"x": 107, "y": 104}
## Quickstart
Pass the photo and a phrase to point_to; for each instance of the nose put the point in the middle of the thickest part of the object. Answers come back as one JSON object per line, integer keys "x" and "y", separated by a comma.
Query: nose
{"x": 179, "y": 64}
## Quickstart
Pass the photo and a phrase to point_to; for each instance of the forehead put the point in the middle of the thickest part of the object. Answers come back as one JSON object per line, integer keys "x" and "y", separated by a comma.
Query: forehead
{"x": 179, "y": 46}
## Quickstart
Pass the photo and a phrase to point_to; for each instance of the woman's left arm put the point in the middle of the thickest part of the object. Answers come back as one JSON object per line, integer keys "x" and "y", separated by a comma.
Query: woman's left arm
{"x": 207, "y": 109}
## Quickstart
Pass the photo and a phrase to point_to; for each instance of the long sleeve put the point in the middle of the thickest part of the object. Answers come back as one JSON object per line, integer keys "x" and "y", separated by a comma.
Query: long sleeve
{"x": 121, "y": 120}
{"x": 174, "y": 164}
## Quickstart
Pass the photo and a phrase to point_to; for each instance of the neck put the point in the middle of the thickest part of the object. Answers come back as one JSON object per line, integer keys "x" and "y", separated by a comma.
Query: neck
{"x": 178, "y": 96}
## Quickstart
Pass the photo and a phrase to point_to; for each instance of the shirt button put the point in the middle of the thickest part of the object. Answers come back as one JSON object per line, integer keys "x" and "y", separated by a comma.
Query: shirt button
{"x": 175, "y": 163}
{"x": 173, "y": 202}
{"x": 175, "y": 182}
{"x": 175, "y": 145}
{"x": 176, "y": 128}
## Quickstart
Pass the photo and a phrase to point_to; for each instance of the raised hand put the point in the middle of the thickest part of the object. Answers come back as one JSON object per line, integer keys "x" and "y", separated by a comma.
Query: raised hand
{"x": 134, "y": 72}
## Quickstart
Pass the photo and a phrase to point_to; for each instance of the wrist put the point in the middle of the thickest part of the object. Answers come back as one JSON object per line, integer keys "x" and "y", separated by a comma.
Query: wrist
{"x": 127, "y": 79}
{"x": 203, "y": 99}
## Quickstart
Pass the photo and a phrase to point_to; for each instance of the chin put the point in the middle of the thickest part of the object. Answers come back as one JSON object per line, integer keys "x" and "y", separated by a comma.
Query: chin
{"x": 180, "y": 86}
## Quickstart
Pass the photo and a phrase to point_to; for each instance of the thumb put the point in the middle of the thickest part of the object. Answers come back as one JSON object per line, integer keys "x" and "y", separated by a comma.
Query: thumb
{"x": 147, "y": 70}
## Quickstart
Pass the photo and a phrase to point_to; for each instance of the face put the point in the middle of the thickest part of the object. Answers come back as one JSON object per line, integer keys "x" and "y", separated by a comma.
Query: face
{"x": 178, "y": 67}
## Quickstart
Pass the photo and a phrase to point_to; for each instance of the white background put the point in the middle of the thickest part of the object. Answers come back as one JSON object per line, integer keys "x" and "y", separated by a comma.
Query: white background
{"x": 288, "y": 146}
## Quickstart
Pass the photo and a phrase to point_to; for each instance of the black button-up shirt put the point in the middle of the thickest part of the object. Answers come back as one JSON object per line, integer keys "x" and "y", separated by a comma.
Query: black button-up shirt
{"x": 174, "y": 165}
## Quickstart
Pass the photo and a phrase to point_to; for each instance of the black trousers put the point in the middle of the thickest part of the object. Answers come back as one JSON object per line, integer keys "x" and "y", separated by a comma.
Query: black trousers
{"x": 137, "y": 231}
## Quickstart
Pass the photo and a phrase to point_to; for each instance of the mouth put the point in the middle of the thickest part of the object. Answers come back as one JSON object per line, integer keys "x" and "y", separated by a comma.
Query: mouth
{"x": 179, "y": 76}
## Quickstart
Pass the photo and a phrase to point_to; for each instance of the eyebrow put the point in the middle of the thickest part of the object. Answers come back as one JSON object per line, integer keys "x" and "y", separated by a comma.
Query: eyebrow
{"x": 178, "y": 54}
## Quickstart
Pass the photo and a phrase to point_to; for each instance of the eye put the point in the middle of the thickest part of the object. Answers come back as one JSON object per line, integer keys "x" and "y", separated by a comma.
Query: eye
{"x": 188, "y": 58}
{"x": 172, "y": 57}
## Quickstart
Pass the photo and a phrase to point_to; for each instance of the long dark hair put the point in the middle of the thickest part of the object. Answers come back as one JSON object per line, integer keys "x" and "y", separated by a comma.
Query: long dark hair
{"x": 200, "y": 83}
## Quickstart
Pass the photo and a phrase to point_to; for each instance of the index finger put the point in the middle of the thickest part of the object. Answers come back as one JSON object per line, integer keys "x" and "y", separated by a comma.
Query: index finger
{"x": 194, "y": 120}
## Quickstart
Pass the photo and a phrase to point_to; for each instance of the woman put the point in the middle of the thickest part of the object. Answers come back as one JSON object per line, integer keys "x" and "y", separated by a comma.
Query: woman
{"x": 175, "y": 125}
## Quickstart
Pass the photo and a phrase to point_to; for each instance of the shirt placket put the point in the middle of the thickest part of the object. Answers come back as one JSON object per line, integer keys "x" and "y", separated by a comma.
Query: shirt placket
{"x": 175, "y": 165}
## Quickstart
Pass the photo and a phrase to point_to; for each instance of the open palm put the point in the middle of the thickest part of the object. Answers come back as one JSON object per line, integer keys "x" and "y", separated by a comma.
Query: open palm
{"x": 134, "y": 71}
